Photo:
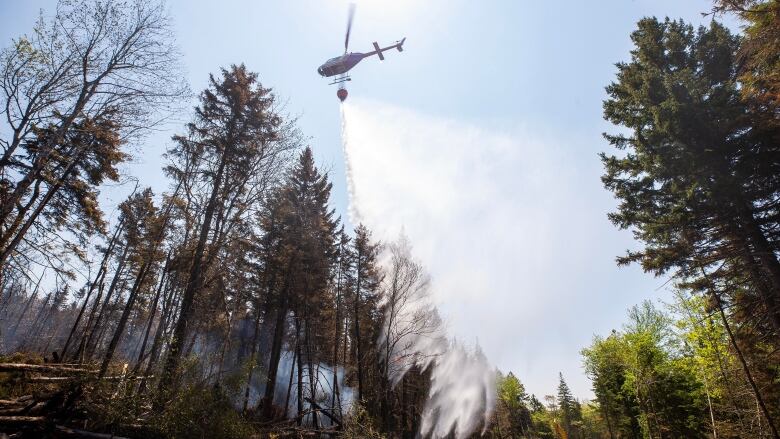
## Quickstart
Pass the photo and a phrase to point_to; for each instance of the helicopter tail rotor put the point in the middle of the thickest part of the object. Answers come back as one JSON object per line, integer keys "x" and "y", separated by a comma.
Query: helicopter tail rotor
{"x": 400, "y": 45}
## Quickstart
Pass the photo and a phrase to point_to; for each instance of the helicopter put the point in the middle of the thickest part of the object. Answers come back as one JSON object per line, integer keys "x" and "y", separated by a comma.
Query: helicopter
{"x": 340, "y": 65}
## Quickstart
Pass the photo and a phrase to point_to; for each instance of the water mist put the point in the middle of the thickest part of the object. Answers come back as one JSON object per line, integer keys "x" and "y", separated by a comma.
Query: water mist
{"x": 462, "y": 393}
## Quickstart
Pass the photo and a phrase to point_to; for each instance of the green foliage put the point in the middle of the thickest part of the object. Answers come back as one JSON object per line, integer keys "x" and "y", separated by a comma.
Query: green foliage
{"x": 568, "y": 406}
{"x": 696, "y": 177}
{"x": 360, "y": 425}
{"x": 513, "y": 415}
{"x": 201, "y": 411}
{"x": 511, "y": 391}
{"x": 639, "y": 377}
{"x": 593, "y": 425}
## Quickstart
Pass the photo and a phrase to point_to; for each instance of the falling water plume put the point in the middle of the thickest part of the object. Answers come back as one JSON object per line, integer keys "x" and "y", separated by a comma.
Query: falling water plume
{"x": 462, "y": 391}
{"x": 354, "y": 214}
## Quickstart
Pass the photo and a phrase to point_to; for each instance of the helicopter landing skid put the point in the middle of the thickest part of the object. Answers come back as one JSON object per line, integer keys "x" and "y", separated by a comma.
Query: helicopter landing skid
{"x": 340, "y": 80}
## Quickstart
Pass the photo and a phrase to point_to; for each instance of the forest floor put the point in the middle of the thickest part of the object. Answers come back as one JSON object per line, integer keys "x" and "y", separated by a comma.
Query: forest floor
{"x": 40, "y": 398}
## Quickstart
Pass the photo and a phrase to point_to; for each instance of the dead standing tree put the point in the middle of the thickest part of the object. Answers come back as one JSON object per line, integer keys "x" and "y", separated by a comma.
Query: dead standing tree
{"x": 410, "y": 320}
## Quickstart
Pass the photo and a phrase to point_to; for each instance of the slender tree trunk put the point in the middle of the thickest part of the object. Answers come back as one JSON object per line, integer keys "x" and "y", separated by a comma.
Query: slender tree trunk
{"x": 92, "y": 340}
{"x": 99, "y": 277}
{"x": 252, "y": 359}
{"x": 165, "y": 317}
{"x": 193, "y": 283}
{"x": 712, "y": 413}
{"x": 336, "y": 338}
{"x": 152, "y": 313}
{"x": 120, "y": 328}
{"x": 313, "y": 377}
{"x": 27, "y": 304}
{"x": 745, "y": 368}
{"x": 276, "y": 343}
{"x": 356, "y": 323}
{"x": 290, "y": 383}
{"x": 300, "y": 373}
{"x": 273, "y": 362}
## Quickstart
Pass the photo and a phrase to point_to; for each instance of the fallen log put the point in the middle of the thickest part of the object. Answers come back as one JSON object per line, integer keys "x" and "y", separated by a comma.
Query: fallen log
{"x": 21, "y": 367}
{"x": 32, "y": 408}
{"x": 20, "y": 400}
{"x": 83, "y": 434}
{"x": 324, "y": 411}
{"x": 22, "y": 419}
{"x": 16, "y": 406}
{"x": 72, "y": 378}
{"x": 304, "y": 431}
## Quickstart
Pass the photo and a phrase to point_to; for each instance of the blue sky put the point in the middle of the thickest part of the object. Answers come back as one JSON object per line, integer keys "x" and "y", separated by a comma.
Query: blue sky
{"x": 523, "y": 73}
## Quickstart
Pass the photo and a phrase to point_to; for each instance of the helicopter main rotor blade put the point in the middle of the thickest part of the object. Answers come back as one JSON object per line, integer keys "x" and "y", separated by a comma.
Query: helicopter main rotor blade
{"x": 349, "y": 25}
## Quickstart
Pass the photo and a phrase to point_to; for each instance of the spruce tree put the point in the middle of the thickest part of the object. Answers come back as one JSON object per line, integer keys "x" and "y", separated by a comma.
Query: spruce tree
{"x": 697, "y": 181}
{"x": 235, "y": 132}
{"x": 365, "y": 295}
{"x": 567, "y": 405}
{"x": 300, "y": 241}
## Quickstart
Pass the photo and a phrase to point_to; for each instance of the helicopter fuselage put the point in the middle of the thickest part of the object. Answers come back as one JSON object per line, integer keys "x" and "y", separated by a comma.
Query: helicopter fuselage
{"x": 344, "y": 63}
{"x": 340, "y": 64}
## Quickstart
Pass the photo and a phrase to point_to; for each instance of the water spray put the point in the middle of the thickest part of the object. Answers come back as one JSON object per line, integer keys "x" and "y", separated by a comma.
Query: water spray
{"x": 462, "y": 393}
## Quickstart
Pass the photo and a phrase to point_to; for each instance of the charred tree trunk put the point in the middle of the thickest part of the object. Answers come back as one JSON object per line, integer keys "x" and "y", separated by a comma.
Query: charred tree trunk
{"x": 99, "y": 278}
{"x": 27, "y": 305}
{"x": 91, "y": 341}
{"x": 252, "y": 359}
{"x": 313, "y": 377}
{"x": 152, "y": 313}
{"x": 193, "y": 283}
{"x": 299, "y": 390}
{"x": 357, "y": 343}
{"x": 290, "y": 383}
{"x": 120, "y": 328}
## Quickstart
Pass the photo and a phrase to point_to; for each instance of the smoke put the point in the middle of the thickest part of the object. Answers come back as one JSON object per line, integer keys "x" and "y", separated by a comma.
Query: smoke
{"x": 286, "y": 389}
{"x": 462, "y": 393}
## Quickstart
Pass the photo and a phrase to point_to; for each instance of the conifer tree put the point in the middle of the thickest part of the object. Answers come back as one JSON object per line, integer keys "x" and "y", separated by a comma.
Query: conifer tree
{"x": 234, "y": 137}
{"x": 567, "y": 405}
{"x": 365, "y": 294}
{"x": 300, "y": 232}
{"x": 698, "y": 181}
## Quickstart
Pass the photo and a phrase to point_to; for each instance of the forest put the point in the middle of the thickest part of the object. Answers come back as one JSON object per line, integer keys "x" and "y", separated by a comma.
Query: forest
{"x": 238, "y": 304}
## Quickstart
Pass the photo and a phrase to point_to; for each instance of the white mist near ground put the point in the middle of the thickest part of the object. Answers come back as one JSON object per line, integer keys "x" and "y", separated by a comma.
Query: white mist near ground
{"x": 384, "y": 189}
{"x": 286, "y": 390}
{"x": 462, "y": 393}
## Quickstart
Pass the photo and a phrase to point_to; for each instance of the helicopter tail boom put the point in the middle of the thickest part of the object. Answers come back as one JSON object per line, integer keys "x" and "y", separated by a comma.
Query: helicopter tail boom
{"x": 378, "y": 50}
